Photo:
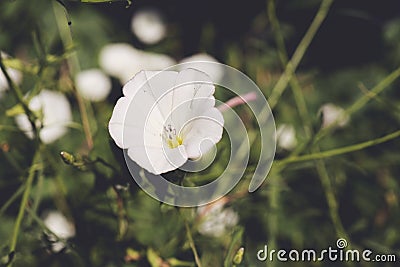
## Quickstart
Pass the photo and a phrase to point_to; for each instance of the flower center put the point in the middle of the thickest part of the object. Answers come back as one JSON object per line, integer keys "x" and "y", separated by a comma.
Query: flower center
{"x": 171, "y": 138}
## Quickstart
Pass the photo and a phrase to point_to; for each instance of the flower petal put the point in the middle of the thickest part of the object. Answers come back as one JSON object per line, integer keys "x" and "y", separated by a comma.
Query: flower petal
{"x": 161, "y": 85}
{"x": 158, "y": 160}
{"x": 128, "y": 125}
{"x": 152, "y": 88}
{"x": 191, "y": 88}
{"x": 208, "y": 127}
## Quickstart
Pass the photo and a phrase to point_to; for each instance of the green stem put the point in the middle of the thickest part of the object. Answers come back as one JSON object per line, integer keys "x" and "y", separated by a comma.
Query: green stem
{"x": 106, "y": 164}
{"x": 191, "y": 243}
{"x": 14, "y": 88}
{"x": 361, "y": 102}
{"x": 331, "y": 199}
{"x": 20, "y": 98}
{"x": 273, "y": 218}
{"x": 58, "y": 188}
{"x": 339, "y": 151}
{"x": 74, "y": 66}
{"x": 38, "y": 193}
{"x": 294, "y": 82}
{"x": 12, "y": 199}
{"x": 303, "y": 112}
{"x": 299, "y": 53}
{"x": 24, "y": 202}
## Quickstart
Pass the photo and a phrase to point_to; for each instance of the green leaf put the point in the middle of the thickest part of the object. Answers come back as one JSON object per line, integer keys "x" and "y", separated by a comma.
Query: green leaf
{"x": 15, "y": 110}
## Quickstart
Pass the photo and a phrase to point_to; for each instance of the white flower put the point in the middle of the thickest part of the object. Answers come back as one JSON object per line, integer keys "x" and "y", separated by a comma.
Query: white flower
{"x": 59, "y": 225}
{"x": 331, "y": 113}
{"x": 215, "y": 220}
{"x": 165, "y": 118}
{"x": 93, "y": 84}
{"x": 15, "y": 75}
{"x": 286, "y": 136}
{"x": 148, "y": 26}
{"x": 123, "y": 61}
{"x": 210, "y": 67}
{"x": 56, "y": 113}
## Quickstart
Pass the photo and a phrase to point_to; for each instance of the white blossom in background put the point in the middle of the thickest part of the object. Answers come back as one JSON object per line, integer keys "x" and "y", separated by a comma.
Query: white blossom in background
{"x": 59, "y": 225}
{"x": 164, "y": 117}
{"x": 215, "y": 71}
{"x": 93, "y": 84}
{"x": 123, "y": 61}
{"x": 148, "y": 25}
{"x": 15, "y": 75}
{"x": 56, "y": 112}
{"x": 116, "y": 58}
{"x": 215, "y": 219}
{"x": 286, "y": 136}
{"x": 331, "y": 113}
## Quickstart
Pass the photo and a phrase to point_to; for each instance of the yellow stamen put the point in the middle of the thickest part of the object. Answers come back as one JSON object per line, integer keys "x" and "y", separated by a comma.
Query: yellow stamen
{"x": 174, "y": 143}
{"x": 171, "y": 138}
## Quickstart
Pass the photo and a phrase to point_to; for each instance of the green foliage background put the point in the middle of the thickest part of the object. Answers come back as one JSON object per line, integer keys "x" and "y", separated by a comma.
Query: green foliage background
{"x": 314, "y": 194}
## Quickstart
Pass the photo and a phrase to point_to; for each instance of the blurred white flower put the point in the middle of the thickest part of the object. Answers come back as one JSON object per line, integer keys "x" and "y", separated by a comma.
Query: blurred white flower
{"x": 93, "y": 84}
{"x": 286, "y": 136}
{"x": 56, "y": 112}
{"x": 15, "y": 75}
{"x": 215, "y": 220}
{"x": 123, "y": 61}
{"x": 331, "y": 113}
{"x": 148, "y": 26}
{"x": 215, "y": 71}
{"x": 59, "y": 225}
{"x": 164, "y": 117}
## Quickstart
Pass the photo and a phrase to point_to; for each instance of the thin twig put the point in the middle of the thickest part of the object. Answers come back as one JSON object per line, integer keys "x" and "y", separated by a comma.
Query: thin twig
{"x": 299, "y": 53}
{"x": 339, "y": 151}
